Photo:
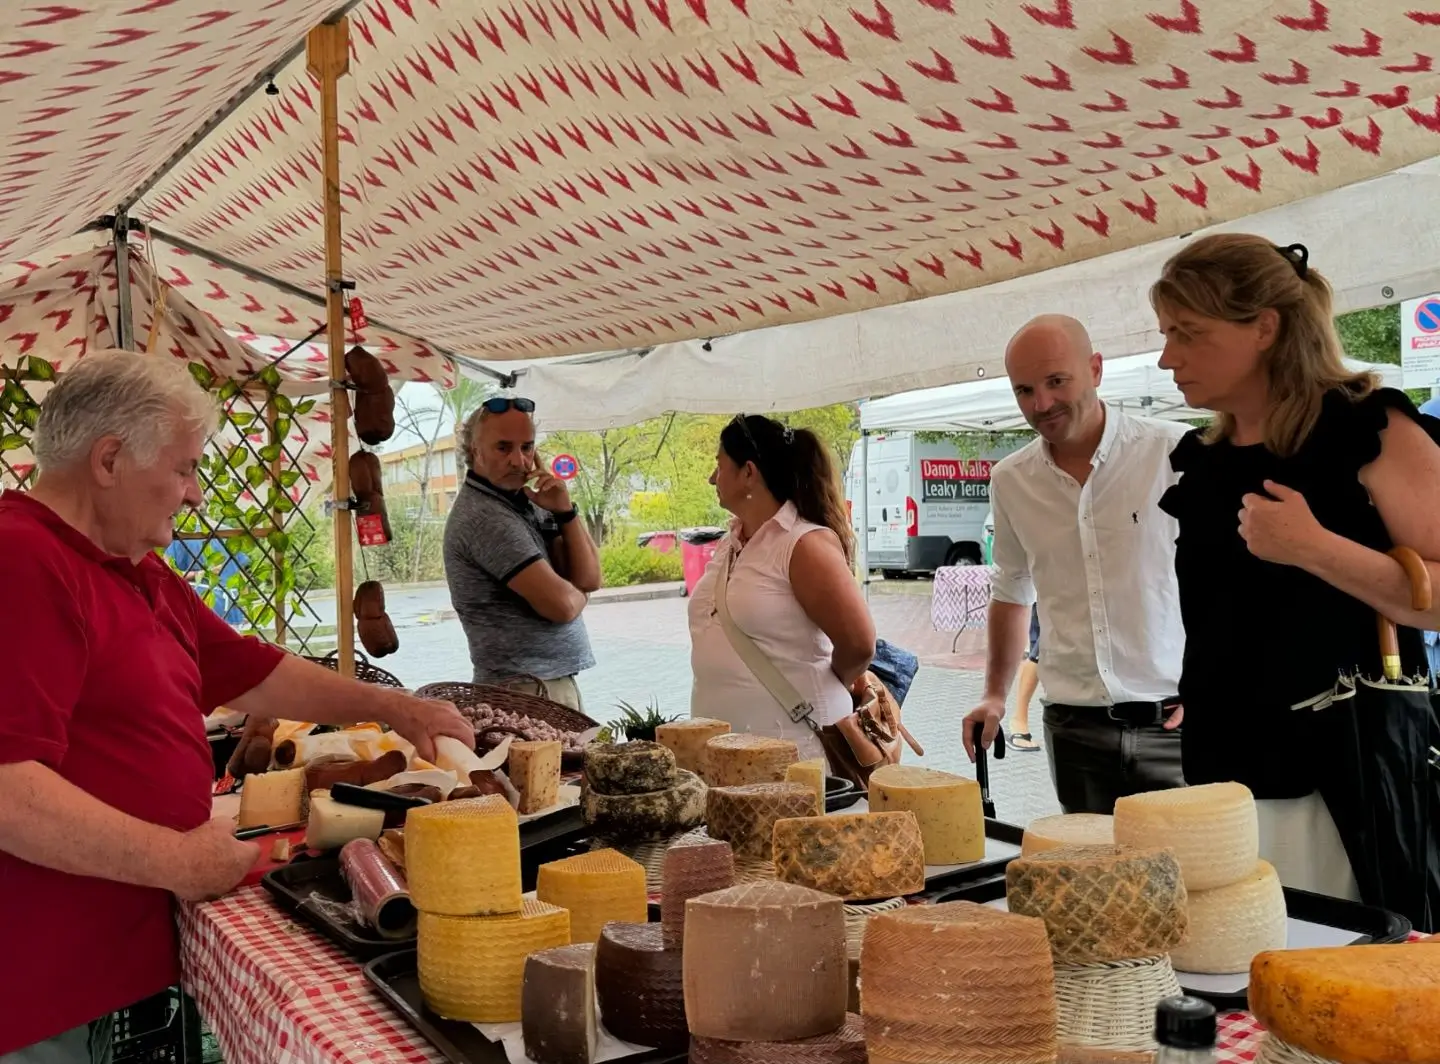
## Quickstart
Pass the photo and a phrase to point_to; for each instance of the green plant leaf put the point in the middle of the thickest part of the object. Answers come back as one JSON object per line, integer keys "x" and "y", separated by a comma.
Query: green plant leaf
{"x": 39, "y": 369}
{"x": 202, "y": 375}
{"x": 256, "y": 475}
{"x": 12, "y": 441}
{"x": 270, "y": 377}
{"x": 270, "y": 452}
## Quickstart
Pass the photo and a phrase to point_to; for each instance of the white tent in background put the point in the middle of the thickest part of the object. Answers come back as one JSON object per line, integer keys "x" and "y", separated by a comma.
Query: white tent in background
{"x": 1133, "y": 383}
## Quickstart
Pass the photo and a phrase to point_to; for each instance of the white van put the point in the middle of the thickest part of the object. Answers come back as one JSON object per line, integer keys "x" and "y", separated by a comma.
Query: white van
{"x": 928, "y": 505}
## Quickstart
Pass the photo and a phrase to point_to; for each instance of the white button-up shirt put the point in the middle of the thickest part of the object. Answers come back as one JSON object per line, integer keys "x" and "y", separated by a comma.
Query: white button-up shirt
{"x": 1099, "y": 558}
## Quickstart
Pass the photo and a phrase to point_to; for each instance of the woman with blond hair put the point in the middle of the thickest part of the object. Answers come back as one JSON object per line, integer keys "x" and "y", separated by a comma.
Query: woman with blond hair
{"x": 1287, "y": 504}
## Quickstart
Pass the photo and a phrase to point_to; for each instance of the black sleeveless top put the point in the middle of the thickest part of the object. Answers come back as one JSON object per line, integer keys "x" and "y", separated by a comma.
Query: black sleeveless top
{"x": 1262, "y": 637}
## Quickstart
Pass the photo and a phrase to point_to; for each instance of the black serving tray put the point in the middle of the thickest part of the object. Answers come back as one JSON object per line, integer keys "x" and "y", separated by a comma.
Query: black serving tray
{"x": 393, "y": 976}
{"x": 1375, "y": 926}
{"x": 840, "y": 794}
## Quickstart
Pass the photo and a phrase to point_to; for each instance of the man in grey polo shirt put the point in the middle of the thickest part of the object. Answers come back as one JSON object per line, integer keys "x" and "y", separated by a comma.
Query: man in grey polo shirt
{"x": 519, "y": 565}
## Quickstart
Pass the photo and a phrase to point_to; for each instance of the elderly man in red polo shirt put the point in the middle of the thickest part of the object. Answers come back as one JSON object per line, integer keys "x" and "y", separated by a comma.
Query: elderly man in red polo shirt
{"x": 110, "y": 662}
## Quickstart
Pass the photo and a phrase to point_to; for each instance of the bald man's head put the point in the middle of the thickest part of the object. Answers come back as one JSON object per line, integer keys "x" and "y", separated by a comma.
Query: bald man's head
{"x": 1055, "y": 372}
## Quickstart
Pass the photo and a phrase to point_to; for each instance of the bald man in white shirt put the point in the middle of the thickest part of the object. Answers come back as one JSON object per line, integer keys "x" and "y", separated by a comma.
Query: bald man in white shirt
{"x": 1078, "y": 529}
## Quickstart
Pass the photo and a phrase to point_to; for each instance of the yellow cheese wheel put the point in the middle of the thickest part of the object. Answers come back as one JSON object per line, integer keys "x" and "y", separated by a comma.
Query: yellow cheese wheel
{"x": 952, "y": 821}
{"x": 596, "y": 887}
{"x": 1213, "y": 830}
{"x": 686, "y": 739}
{"x": 463, "y": 858}
{"x": 812, "y": 774}
{"x": 738, "y": 758}
{"x": 1068, "y": 829}
{"x": 1356, "y": 1004}
{"x": 472, "y": 968}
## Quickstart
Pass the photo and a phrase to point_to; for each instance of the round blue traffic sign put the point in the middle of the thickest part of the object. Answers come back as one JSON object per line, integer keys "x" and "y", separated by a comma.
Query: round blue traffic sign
{"x": 1427, "y": 316}
{"x": 564, "y": 466}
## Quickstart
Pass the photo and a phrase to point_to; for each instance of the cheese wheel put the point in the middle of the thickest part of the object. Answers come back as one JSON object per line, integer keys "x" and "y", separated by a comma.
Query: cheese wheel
{"x": 1212, "y": 829}
{"x": 557, "y": 1005}
{"x": 1068, "y": 829}
{"x": 597, "y": 887}
{"x": 1230, "y": 925}
{"x": 463, "y": 858}
{"x": 739, "y": 758}
{"x": 952, "y": 820}
{"x": 857, "y": 856}
{"x": 472, "y": 968}
{"x": 653, "y": 815}
{"x": 957, "y": 983}
{"x": 811, "y": 773}
{"x": 1356, "y": 1004}
{"x": 640, "y": 986}
{"x": 764, "y": 962}
{"x": 843, "y": 1046}
{"x": 1101, "y": 903}
{"x": 745, "y": 816}
{"x": 686, "y": 739}
{"x": 272, "y": 799}
{"x": 637, "y": 767}
{"x": 694, "y": 865}
{"x": 534, "y": 769}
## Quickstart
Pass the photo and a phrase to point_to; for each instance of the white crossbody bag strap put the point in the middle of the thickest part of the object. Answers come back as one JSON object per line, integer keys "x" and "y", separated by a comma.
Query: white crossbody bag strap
{"x": 764, "y": 670}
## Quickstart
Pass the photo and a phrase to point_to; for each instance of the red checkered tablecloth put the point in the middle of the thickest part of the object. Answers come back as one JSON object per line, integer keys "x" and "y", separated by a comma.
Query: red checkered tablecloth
{"x": 276, "y": 993}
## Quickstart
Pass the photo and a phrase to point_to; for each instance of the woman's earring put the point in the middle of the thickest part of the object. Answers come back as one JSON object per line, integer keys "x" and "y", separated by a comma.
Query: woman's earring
{"x": 749, "y": 496}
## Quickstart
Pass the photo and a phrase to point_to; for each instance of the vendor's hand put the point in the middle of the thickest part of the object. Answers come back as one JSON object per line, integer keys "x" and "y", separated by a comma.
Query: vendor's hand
{"x": 210, "y": 861}
{"x": 422, "y": 720}
{"x": 989, "y": 712}
{"x": 1279, "y": 526}
{"x": 549, "y": 492}
{"x": 1174, "y": 720}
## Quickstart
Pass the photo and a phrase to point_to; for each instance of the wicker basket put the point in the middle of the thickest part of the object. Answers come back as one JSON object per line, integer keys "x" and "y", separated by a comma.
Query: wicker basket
{"x": 857, "y": 915}
{"x": 364, "y": 671}
{"x": 1274, "y": 1051}
{"x": 466, "y": 695}
{"x": 1112, "y": 1005}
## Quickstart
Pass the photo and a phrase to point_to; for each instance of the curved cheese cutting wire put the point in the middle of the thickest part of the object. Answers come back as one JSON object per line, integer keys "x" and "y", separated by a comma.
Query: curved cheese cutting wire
{"x": 1420, "y": 599}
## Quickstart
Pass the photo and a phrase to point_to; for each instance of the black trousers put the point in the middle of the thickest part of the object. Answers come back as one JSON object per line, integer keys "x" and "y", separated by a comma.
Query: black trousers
{"x": 1095, "y": 760}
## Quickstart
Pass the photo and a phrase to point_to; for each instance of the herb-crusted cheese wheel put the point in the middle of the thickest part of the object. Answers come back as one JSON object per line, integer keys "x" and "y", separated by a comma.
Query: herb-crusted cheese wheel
{"x": 686, "y": 739}
{"x": 957, "y": 983}
{"x": 654, "y": 815}
{"x": 463, "y": 858}
{"x": 1230, "y": 925}
{"x": 557, "y": 1005}
{"x": 856, "y": 856}
{"x": 739, "y": 758}
{"x": 952, "y": 820}
{"x": 472, "y": 968}
{"x": 640, "y": 986}
{"x": 1212, "y": 829}
{"x": 1356, "y": 1004}
{"x": 637, "y": 767}
{"x": 1068, "y": 829}
{"x": 596, "y": 887}
{"x": 764, "y": 962}
{"x": 843, "y": 1046}
{"x": 694, "y": 865}
{"x": 1101, "y": 903}
{"x": 745, "y": 816}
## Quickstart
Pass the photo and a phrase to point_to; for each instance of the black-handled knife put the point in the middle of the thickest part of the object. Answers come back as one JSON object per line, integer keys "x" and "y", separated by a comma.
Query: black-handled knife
{"x": 367, "y": 798}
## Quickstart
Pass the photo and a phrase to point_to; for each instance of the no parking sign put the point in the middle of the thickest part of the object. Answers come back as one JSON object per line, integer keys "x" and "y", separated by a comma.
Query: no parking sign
{"x": 564, "y": 466}
{"x": 1420, "y": 341}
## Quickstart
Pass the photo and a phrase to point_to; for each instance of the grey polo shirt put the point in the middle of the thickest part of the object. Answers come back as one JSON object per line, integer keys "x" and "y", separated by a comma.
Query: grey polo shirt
{"x": 490, "y": 536}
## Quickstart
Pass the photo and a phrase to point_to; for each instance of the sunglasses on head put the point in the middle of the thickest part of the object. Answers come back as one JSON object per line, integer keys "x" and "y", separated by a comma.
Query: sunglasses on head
{"x": 499, "y": 404}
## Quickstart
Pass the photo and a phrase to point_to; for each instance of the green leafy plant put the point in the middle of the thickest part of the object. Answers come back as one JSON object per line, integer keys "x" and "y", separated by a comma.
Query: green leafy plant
{"x": 623, "y": 564}
{"x": 638, "y": 725}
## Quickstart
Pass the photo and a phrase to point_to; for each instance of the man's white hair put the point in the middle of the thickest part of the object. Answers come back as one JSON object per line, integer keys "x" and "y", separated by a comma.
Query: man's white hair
{"x": 144, "y": 400}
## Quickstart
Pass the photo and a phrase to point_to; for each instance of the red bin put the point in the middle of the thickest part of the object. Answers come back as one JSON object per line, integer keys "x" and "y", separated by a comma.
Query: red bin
{"x": 697, "y": 547}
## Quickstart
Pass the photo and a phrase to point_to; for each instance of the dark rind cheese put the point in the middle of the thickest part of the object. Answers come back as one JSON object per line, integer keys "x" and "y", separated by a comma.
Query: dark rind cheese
{"x": 557, "y": 1006}
{"x": 843, "y": 1046}
{"x": 694, "y": 865}
{"x": 765, "y": 962}
{"x": 655, "y": 815}
{"x": 636, "y": 767}
{"x": 640, "y": 986}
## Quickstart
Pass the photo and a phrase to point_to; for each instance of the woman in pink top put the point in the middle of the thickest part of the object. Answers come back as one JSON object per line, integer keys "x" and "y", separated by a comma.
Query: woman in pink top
{"x": 790, "y": 588}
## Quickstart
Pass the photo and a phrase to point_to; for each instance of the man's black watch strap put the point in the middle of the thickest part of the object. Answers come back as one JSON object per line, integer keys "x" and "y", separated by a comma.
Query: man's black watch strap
{"x": 569, "y": 515}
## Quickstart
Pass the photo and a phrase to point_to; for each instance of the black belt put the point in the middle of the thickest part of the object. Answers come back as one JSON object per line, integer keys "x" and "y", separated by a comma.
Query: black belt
{"x": 1131, "y": 714}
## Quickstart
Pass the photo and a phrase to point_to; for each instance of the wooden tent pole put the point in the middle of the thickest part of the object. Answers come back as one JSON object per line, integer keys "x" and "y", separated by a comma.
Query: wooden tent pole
{"x": 327, "y": 56}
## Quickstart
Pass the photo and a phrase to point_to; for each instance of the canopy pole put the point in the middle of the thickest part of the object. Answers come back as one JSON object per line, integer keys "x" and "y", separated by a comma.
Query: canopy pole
{"x": 865, "y": 513}
{"x": 125, "y": 309}
{"x": 327, "y": 56}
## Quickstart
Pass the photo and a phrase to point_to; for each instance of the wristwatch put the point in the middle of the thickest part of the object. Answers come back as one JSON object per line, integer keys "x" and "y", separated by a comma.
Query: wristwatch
{"x": 569, "y": 515}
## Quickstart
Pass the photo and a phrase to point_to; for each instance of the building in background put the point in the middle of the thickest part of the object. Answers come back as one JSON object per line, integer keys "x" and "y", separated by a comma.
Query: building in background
{"x": 405, "y": 473}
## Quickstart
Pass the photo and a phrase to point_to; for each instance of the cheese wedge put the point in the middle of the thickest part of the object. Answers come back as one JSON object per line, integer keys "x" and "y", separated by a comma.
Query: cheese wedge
{"x": 332, "y": 824}
{"x": 270, "y": 799}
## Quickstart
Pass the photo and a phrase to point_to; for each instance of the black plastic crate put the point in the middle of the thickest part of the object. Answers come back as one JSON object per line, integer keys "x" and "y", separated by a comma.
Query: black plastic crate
{"x": 164, "y": 1029}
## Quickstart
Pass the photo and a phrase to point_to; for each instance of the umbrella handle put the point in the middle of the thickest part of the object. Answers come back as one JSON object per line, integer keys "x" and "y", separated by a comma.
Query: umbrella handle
{"x": 1421, "y": 597}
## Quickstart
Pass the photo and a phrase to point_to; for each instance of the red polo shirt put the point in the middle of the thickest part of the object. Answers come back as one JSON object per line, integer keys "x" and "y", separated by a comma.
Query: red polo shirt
{"x": 107, "y": 670}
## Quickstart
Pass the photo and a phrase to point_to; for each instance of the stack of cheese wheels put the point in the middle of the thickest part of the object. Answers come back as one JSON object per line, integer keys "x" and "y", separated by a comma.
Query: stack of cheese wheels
{"x": 1236, "y": 904}
{"x": 462, "y": 861}
{"x": 1350, "y": 1005}
{"x": 634, "y": 791}
{"x": 1068, "y": 829}
{"x": 596, "y": 887}
{"x": 957, "y": 983}
{"x": 686, "y": 739}
{"x": 765, "y": 977}
{"x": 737, "y": 759}
{"x": 856, "y": 856}
{"x": 947, "y": 807}
{"x": 745, "y": 816}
